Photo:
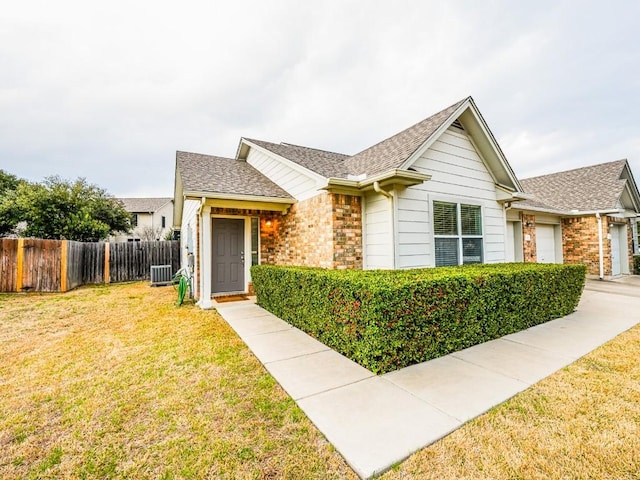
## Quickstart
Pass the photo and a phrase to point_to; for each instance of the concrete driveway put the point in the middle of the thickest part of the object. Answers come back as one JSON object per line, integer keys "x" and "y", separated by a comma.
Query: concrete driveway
{"x": 376, "y": 421}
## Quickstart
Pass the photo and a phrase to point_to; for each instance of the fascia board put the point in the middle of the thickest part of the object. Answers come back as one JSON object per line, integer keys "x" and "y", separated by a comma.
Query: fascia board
{"x": 195, "y": 195}
{"x": 178, "y": 197}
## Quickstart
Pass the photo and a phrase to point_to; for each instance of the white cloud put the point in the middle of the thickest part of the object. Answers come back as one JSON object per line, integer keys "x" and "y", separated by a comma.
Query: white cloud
{"x": 110, "y": 90}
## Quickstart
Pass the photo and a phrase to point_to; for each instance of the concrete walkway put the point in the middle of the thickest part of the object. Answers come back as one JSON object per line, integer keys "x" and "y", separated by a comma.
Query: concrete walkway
{"x": 376, "y": 421}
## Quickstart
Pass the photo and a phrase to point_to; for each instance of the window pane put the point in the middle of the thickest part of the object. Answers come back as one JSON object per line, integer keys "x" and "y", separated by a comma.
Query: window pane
{"x": 255, "y": 222}
{"x": 445, "y": 218}
{"x": 471, "y": 219}
{"x": 446, "y": 252}
{"x": 471, "y": 250}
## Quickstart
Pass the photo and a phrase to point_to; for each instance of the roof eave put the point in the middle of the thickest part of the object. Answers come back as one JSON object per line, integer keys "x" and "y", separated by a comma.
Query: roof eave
{"x": 195, "y": 194}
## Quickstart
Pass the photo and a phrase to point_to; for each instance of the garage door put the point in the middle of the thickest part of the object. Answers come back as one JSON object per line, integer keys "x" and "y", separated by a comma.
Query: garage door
{"x": 545, "y": 243}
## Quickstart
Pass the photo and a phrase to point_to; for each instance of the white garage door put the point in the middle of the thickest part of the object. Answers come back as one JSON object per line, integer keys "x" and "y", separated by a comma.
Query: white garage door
{"x": 545, "y": 243}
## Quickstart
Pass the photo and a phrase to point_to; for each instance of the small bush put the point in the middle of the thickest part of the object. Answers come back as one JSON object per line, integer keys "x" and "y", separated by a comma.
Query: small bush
{"x": 389, "y": 319}
{"x": 636, "y": 264}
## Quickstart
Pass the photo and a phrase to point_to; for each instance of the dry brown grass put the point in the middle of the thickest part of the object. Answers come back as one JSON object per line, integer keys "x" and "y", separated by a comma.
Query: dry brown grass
{"x": 583, "y": 422}
{"x": 117, "y": 382}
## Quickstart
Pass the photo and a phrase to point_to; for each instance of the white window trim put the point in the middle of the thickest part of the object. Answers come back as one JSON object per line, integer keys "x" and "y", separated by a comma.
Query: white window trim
{"x": 458, "y": 202}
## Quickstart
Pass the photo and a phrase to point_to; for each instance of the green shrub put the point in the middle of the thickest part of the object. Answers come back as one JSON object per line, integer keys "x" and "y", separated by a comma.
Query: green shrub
{"x": 389, "y": 319}
{"x": 636, "y": 264}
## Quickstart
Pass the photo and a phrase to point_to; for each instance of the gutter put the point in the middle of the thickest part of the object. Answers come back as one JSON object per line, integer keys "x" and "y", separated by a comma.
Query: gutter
{"x": 399, "y": 177}
{"x": 378, "y": 189}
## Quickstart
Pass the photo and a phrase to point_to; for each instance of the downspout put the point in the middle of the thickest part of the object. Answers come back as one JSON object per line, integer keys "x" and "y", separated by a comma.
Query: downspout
{"x": 600, "y": 248}
{"x": 378, "y": 189}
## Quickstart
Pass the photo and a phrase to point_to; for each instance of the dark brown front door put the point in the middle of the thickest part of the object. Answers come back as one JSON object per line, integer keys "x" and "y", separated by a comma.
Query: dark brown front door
{"x": 228, "y": 255}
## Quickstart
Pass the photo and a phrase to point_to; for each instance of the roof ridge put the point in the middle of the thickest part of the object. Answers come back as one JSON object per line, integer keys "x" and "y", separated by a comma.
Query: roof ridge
{"x": 204, "y": 155}
{"x": 287, "y": 144}
{"x": 623, "y": 160}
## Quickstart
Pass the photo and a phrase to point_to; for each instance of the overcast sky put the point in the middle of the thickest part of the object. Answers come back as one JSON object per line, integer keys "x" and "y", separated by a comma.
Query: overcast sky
{"x": 110, "y": 90}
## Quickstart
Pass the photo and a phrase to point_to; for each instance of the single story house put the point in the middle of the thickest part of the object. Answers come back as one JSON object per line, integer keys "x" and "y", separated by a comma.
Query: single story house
{"x": 152, "y": 218}
{"x": 440, "y": 192}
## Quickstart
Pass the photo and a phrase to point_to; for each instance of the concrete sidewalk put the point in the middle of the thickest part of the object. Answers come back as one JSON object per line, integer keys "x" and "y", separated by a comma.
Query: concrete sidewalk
{"x": 376, "y": 421}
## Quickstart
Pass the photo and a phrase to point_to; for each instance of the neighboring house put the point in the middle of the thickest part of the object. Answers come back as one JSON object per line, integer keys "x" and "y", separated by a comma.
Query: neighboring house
{"x": 586, "y": 215}
{"x": 434, "y": 194}
{"x": 152, "y": 218}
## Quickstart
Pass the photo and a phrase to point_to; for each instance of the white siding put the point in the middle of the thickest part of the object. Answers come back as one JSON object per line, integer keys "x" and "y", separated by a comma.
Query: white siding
{"x": 188, "y": 231}
{"x": 298, "y": 184}
{"x": 458, "y": 175}
{"x": 167, "y": 212}
{"x": 378, "y": 234}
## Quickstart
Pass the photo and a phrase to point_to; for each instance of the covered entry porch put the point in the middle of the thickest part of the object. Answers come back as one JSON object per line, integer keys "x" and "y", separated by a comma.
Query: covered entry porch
{"x": 230, "y": 243}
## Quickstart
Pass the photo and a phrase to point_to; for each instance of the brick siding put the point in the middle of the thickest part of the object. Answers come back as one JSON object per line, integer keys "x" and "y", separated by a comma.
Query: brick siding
{"x": 322, "y": 231}
{"x": 580, "y": 243}
{"x": 529, "y": 246}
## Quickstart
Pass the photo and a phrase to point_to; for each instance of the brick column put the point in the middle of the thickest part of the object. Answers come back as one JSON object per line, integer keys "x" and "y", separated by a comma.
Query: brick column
{"x": 529, "y": 238}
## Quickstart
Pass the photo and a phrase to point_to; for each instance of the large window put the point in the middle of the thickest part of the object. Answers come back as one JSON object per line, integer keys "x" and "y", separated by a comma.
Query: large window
{"x": 457, "y": 232}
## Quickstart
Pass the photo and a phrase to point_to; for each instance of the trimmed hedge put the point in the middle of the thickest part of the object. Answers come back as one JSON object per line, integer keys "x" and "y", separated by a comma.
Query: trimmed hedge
{"x": 636, "y": 264}
{"x": 389, "y": 319}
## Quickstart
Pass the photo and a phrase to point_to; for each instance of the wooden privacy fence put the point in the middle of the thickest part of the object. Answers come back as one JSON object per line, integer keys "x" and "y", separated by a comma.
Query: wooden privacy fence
{"x": 33, "y": 265}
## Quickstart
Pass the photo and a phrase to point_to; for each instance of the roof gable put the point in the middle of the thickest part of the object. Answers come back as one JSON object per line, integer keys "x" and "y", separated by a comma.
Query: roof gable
{"x": 399, "y": 151}
{"x": 394, "y": 151}
{"x": 402, "y": 150}
{"x": 605, "y": 186}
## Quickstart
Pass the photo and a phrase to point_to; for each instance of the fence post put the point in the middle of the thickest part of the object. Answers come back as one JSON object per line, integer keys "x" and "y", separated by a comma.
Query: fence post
{"x": 20, "y": 265}
{"x": 106, "y": 262}
{"x": 63, "y": 265}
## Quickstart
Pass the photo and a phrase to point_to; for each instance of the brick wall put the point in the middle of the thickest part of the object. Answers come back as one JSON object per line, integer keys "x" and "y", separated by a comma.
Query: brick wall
{"x": 322, "y": 231}
{"x": 580, "y": 243}
{"x": 529, "y": 246}
{"x": 630, "y": 244}
{"x": 347, "y": 231}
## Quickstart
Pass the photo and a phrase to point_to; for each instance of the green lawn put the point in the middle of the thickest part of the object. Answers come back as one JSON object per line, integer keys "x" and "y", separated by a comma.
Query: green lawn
{"x": 117, "y": 382}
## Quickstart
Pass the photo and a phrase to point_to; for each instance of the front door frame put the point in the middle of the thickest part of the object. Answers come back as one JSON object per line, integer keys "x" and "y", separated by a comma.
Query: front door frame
{"x": 247, "y": 250}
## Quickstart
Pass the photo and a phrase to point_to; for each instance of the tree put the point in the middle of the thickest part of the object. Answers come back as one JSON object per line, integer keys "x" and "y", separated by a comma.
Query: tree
{"x": 9, "y": 215}
{"x": 150, "y": 233}
{"x": 61, "y": 209}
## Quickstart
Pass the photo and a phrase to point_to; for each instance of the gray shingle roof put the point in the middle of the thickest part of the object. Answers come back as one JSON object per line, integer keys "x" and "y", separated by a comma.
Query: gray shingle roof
{"x": 206, "y": 173}
{"x": 394, "y": 151}
{"x": 146, "y": 205}
{"x": 596, "y": 187}
{"x": 386, "y": 155}
{"x": 328, "y": 164}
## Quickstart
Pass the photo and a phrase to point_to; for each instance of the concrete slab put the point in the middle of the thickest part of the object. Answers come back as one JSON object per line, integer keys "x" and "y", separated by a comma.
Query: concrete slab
{"x": 258, "y": 324}
{"x": 374, "y": 423}
{"x": 235, "y": 310}
{"x": 275, "y": 346}
{"x": 446, "y": 383}
{"x": 515, "y": 360}
{"x": 316, "y": 373}
{"x": 572, "y": 342}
